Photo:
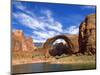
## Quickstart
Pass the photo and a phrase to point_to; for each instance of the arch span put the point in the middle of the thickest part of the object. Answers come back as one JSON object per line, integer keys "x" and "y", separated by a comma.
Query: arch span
{"x": 49, "y": 42}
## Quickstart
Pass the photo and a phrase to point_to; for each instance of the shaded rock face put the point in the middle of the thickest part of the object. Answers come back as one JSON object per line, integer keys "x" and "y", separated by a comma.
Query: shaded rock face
{"x": 20, "y": 42}
{"x": 59, "y": 49}
{"x": 87, "y": 35}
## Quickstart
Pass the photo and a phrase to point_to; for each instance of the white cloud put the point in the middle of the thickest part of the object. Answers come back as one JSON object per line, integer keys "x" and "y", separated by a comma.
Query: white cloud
{"x": 57, "y": 26}
{"x": 38, "y": 40}
{"x": 48, "y": 15}
{"x": 28, "y": 21}
{"x": 46, "y": 12}
{"x": 44, "y": 26}
{"x": 43, "y": 29}
{"x": 19, "y": 5}
{"x": 35, "y": 22}
{"x": 45, "y": 34}
{"x": 42, "y": 36}
{"x": 72, "y": 30}
{"x": 23, "y": 8}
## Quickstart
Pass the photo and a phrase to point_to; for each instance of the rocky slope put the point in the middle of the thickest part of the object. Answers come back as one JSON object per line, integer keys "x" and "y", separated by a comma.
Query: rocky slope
{"x": 87, "y": 35}
{"x": 20, "y": 42}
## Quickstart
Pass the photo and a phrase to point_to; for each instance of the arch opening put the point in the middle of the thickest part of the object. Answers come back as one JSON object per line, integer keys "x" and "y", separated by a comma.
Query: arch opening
{"x": 59, "y": 41}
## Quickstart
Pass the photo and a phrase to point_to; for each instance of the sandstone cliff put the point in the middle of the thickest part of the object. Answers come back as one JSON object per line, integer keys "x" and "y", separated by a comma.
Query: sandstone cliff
{"x": 20, "y": 42}
{"x": 87, "y": 35}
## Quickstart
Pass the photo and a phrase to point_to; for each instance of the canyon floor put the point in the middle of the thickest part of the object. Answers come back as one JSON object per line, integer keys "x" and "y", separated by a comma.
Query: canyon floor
{"x": 19, "y": 57}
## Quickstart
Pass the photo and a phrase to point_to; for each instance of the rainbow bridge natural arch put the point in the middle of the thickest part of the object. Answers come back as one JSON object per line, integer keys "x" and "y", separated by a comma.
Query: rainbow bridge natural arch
{"x": 49, "y": 42}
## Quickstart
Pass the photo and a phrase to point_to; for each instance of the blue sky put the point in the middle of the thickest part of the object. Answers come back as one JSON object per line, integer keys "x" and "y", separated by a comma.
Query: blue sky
{"x": 45, "y": 20}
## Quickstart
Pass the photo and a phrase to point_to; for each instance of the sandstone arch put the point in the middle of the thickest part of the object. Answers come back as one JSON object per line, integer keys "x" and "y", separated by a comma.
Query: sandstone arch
{"x": 48, "y": 44}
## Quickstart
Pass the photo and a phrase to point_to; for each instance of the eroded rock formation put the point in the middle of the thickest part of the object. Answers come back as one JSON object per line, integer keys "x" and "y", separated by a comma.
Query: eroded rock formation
{"x": 87, "y": 35}
{"x": 59, "y": 48}
{"x": 20, "y": 42}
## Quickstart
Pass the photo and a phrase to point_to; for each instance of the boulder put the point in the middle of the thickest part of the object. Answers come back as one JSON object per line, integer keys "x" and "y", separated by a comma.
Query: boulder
{"x": 87, "y": 35}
